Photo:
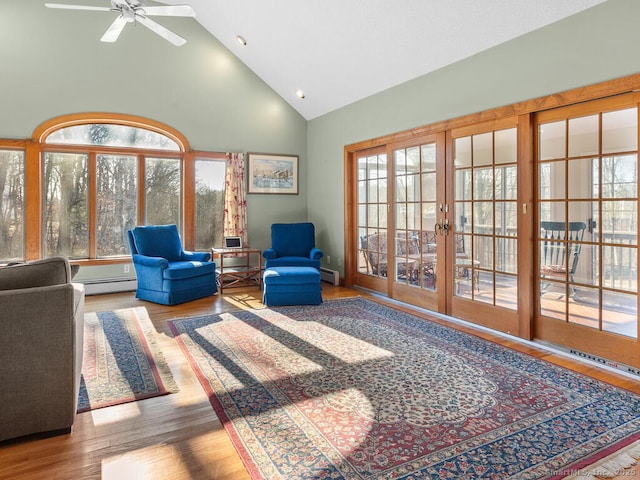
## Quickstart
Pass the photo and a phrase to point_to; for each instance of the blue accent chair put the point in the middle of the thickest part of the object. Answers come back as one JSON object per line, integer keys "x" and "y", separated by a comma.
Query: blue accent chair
{"x": 293, "y": 245}
{"x": 166, "y": 273}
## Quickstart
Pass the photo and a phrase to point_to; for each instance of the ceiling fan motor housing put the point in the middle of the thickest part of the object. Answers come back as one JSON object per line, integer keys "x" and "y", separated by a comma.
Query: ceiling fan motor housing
{"x": 128, "y": 4}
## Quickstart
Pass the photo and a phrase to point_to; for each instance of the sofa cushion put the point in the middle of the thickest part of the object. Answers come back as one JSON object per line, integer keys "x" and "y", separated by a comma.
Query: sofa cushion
{"x": 158, "y": 241}
{"x": 38, "y": 273}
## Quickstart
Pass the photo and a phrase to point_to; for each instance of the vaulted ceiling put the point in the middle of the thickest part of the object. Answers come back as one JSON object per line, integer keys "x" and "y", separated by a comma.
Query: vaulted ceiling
{"x": 340, "y": 51}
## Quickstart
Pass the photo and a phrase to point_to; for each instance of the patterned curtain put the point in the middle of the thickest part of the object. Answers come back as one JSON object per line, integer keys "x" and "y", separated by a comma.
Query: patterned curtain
{"x": 235, "y": 202}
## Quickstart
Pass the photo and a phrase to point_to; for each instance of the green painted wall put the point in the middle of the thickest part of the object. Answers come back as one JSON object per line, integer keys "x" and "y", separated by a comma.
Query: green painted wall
{"x": 52, "y": 63}
{"x": 593, "y": 46}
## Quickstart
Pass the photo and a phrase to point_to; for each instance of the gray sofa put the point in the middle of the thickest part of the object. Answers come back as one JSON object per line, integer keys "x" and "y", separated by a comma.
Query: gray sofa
{"x": 41, "y": 335}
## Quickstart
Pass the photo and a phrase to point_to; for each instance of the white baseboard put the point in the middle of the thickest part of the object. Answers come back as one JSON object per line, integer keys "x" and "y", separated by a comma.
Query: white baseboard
{"x": 110, "y": 286}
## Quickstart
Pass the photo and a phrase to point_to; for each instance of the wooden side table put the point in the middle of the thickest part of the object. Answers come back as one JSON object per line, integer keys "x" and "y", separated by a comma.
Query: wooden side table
{"x": 243, "y": 271}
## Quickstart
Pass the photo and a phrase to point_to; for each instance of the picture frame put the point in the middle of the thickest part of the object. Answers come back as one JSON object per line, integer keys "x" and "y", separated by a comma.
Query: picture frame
{"x": 272, "y": 174}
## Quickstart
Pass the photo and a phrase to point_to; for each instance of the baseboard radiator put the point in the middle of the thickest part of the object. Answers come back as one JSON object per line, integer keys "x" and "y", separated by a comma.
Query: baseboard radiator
{"x": 331, "y": 276}
{"x": 590, "y": 357}
{"x": 109, "y": 285}
{"x": 113, "y": 285}
{"x": 603, "y": 361}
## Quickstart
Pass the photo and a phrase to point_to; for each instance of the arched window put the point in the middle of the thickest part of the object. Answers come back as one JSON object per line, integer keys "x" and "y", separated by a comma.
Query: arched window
{"x": 104, "y": 174}
{"x": 110, "y": 135}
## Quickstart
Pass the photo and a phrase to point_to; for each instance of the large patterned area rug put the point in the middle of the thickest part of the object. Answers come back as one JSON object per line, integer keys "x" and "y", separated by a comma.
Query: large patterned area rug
{"x": 121, "y": 361}
{"x": 352, "y": 389}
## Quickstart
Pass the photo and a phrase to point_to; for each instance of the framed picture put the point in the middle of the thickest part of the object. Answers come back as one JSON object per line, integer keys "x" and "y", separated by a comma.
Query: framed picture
{"x": 268, "y": 173}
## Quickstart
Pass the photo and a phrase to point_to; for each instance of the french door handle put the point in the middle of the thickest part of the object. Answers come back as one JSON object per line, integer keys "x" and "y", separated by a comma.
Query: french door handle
{"x": 440, "y": 226}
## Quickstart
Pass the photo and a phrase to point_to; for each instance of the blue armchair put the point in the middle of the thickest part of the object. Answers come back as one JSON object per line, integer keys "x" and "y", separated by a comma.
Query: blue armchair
{"x": 293, "y": 245}
{"x": 166, "y": 273}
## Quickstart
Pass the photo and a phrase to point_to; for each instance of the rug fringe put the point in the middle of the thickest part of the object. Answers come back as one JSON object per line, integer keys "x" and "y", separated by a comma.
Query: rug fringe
{"x": 611, "y": 466}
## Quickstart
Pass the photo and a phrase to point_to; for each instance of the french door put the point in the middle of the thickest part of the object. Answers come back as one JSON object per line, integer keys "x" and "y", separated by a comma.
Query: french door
{"x": 372, "y": 203}
{"x": 400, "y": 190}
{"x": 525, "y": 224}
{"x": 587, "y": 227}
{"x": 438, "y": 223}
{"x": 485, "y": 221}
{"x": 418, "y": 243}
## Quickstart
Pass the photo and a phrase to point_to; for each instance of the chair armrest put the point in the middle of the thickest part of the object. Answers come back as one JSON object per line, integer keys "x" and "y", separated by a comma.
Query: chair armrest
{"x": 156, "y": 262}
{"x": 270, "y": 253}
{"x": 37, "y": 273}
{"x": 196, "y": 256}
{"x": 49, "y": 301}
{"x": 315, "y": 254}
{"x": 149, "y": 271}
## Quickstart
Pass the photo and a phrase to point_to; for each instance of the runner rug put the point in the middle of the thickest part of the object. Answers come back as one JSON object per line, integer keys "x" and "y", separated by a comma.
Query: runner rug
{"x": 121, "y": 362}
{"x": 351, "y": 389}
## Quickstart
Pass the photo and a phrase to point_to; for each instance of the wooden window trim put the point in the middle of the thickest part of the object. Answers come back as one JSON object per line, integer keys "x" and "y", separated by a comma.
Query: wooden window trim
{"x": 597, "y": 91}
{"x": 35, "y": 146}
{"x": 612, "y": 93}
{"x": 523, "y": 110}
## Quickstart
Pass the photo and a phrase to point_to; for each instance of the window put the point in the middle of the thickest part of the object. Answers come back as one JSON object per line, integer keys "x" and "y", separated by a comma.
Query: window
{"x": 116, "y": 202}
{"x": 485, "y": 185}
{"x": 11, "y": 204}
{"x": 372, "y": 213}
{"x": 112, "y": 135}
{"x": 102, "y": 178}
{"x": 162, "y": 184}
{"x": 66, "y": 205}
{"x": 588, "y": 192}
{"x": 209, "y": 202}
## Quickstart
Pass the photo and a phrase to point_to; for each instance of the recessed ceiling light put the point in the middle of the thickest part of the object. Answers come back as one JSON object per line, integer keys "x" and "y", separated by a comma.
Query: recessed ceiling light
{"x": 300, "y": 93}
{"x": 241, "y": 40}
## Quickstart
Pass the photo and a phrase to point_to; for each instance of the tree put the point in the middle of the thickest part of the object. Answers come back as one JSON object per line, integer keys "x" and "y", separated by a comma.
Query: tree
{"x": 11, "y": 204}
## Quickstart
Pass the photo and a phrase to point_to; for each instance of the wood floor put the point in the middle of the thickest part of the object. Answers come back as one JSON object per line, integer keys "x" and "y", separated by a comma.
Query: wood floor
{"x": 178, "y": 436}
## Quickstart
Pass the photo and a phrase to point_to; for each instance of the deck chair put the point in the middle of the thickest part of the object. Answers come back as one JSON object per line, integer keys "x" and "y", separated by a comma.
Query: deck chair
{"x": 428, "y": 253}
{"x": 374, "y": 249}
{"x": 465, "y": 268}
{"x": 407, "y": 256}
{"x": 560, "y": 249}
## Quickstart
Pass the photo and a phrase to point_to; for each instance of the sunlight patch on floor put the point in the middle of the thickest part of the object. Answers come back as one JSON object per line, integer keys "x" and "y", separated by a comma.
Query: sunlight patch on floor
{"x": 138, "y": 463}
{"x": 115, "y": 414}
{"x": 335, "y": 343}
{"x": 244, "y": 301}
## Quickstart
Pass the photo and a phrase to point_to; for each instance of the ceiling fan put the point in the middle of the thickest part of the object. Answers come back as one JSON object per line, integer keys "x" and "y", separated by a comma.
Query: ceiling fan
{"x": 135, "y": 11}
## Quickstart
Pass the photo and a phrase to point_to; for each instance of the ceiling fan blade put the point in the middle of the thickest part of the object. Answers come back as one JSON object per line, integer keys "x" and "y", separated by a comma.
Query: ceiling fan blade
{"x": 177, "y": 40}
{"x": 171, "y": 11}
{"x": 76, "y": 7}
{"x": 114, "y": 31}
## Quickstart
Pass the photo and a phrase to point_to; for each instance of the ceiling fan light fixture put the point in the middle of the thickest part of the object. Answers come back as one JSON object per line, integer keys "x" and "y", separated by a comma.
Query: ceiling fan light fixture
{"x": 135, "y": 11}
{"x": 241, "y": 40}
